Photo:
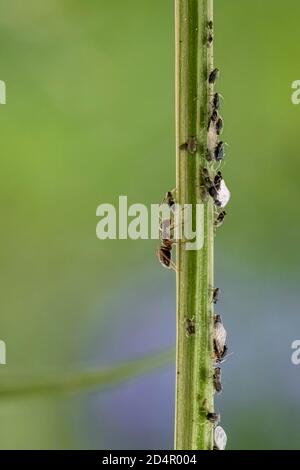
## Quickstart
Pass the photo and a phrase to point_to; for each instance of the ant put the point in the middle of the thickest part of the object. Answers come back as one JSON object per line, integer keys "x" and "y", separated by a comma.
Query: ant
{"x": 219, "y": 126}
{"x": 169, "y": 199}
{"x": 218, "y": 180}
{"x": 164, "y": 254}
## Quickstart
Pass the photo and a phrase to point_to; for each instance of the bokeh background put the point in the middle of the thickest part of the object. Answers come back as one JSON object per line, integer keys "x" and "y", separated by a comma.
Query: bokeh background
{"x": 89, "y": 117}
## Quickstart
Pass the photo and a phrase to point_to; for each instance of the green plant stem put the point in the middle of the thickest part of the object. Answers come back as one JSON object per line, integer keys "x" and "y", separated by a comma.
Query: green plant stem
{"x": 194, "y": 388}
{"x": 12, "y": 387}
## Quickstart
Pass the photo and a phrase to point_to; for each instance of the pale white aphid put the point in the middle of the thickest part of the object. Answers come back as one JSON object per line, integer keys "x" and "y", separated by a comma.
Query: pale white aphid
{"x": 223, "y": 194}
{"x": 220, "y": 438}
{"x": 220, "y": 335}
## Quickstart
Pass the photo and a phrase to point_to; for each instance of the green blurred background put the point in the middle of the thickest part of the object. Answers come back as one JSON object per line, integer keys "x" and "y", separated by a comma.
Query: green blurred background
{"x": 89, "y": 117}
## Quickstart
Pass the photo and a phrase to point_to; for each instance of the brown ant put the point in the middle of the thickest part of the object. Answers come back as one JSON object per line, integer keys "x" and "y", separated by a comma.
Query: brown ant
{"x": 164, "y": 254}
{"x": 169, "y": 200}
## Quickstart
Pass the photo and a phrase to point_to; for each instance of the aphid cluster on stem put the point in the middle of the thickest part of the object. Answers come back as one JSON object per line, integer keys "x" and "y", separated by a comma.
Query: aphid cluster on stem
{"x": 216, "y": 188}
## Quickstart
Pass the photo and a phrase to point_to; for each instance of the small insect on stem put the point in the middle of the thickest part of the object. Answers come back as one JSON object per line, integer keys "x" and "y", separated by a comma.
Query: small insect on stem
{"x": 220, "y": 357}
{"x": 170, "y": 200}
{"x": 219, "y": 153}
{"x": 220, "y": 438}
{"x": 216, "y": 295}
{"x": 218, "y": 180}
{"x": 191, "y": 145}
{"x": 218, "y": 380}
{"x": 213, "y": 76}
{"x": 216, "y": 102}
{"x": 219, "y": 126}
{"x": 220, "y": 219}
{"x": 210, "y": 39}
{"x": 213, "y": 119}
{"x": 190, "y": 328}
{"x": 213, "y": 418}
{"x": 164, "y": 254}
{"x": 210, "y": 187}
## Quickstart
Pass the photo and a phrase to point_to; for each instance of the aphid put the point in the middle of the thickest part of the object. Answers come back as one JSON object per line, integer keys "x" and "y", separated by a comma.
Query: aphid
{"x": 218, "y": 380}
{"x": 220, "y": 335}
{"x": 209, "y": 155}
{"x": 210, "y": 25}
{"x": 213, "y": 76}
{"x": 213, "y": 119}
{"x": 216, "y": 102}
{"x": 191, "y": 145}
{"x": 219, "y": 153}
{"x": 220, "y": 358}
{"x": 219, "y": 126}
{"x": 223, "y": 194}
{"x": 210, "y": 39}
{"x": 220, "y": 438}
{"x": 216, "y": 295}
{"x": 220, "y": 219}
{"x": 190, "y": 328}
{"x": 217, "y": 180}
{"x": 210, "y": 187}
{"x": 214, "y": 418}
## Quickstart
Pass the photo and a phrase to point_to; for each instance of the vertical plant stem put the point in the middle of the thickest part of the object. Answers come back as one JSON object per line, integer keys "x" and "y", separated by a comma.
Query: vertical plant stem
{"x": 194, "y": 387}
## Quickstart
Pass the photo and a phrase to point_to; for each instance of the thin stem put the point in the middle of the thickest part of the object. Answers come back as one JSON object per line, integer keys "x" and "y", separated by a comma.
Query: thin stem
{"x": 70, "y": 382}
{"x": 194, "y": 388}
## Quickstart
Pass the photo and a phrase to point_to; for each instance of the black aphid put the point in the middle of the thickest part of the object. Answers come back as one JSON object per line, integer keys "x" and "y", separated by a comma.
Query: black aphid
{"x": 218, "y": 380}
{"x": 214, "y": 418}
{"x": 220, "y": 151}
{"x": 213, "y": 76}
{"x": 219, "y": 126}
{"x": 220, "y": 219}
